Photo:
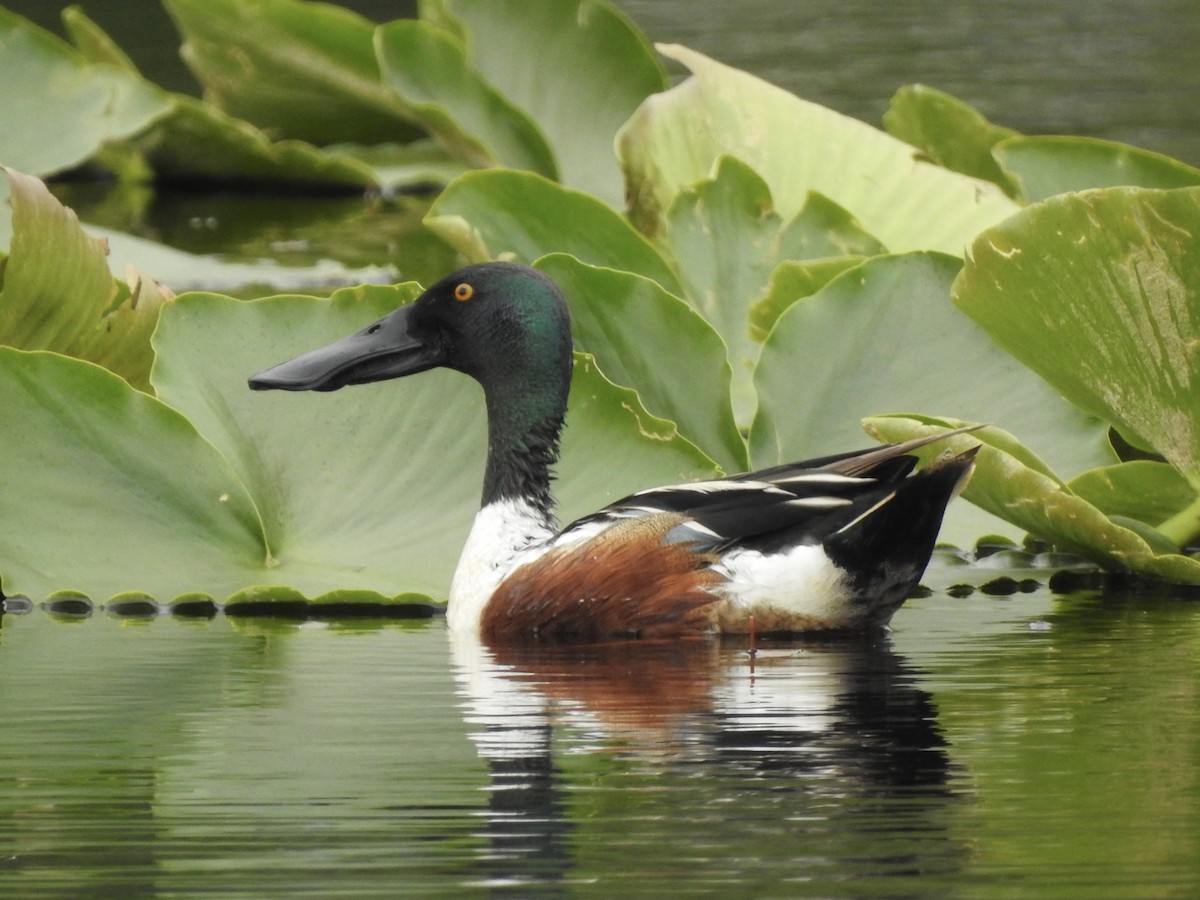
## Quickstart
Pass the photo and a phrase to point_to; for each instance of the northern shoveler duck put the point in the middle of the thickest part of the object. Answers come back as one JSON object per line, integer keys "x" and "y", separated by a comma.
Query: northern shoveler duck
{"x": 831, "y": 543}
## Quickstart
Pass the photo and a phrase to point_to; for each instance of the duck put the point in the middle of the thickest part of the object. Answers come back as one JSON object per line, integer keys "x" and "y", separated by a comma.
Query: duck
{"x": 835, "y": 543}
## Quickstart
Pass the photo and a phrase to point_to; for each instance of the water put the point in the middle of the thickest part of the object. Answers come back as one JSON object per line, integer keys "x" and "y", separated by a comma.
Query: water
{"x": 1029, "y": 745}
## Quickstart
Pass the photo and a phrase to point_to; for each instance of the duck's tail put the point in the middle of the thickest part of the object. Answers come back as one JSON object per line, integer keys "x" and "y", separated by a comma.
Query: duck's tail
{"x": 886, "y": 548}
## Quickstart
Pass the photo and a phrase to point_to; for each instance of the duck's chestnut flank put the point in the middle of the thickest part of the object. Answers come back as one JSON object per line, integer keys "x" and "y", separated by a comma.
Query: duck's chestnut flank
{"x": 832, "y": 543}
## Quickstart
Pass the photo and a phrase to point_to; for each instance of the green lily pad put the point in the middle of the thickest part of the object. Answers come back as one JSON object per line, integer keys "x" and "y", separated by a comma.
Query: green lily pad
{"x": 1006, "y": 487}
{"x": 675, "y": 138}
{"x": 429, "y": 69}
{"x": 338, "y": 515}
{"x": 1100, "y": 294}
{"x": 58, "y": 110}
{"x": 1151, "y": 492}
{"x": 198, "y": 142}
{"x": 109, "y": 490}
{"x": 522, "y": 216}
{"x": 57, "y": 292}
{"x": 645, "y": 338}
{"x": 727, "y": 239}
{"x": 1047, "y": 165}
{"x": 299, "y": 70}
{"x": 581, "y": 70}
{"x": 949, "y": 132}
{"x": 794, "y": 280}
{"x": 885, "y": 336}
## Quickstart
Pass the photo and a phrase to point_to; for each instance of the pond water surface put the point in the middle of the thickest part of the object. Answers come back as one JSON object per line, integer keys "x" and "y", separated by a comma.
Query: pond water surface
{"x": 1028, "y": 745}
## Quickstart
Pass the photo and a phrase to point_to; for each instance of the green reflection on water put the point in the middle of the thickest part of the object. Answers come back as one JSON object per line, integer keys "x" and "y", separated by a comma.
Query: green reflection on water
{"x": 989, "y": 746}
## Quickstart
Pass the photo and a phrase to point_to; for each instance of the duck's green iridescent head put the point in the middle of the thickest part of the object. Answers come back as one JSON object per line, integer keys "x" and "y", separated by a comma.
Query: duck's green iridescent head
{"x": 505, "y": 325}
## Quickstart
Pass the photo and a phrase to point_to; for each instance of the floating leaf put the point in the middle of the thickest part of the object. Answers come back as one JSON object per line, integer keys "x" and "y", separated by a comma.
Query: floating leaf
{"x": 374, "y": 486}
{"x": 198, "y": 142}
{"x": 521, "y": 216}
{"x": 675, "y": 138}
{"x": 108, "y": 489}
{"x": 949, "y": 132}
{"x": 1100, "y": 294}
{"x": 1046, "y": 165}
{"x": 581, "y": 70}
{"x": 727, "y": 239}
{"x": 791, "y": 281}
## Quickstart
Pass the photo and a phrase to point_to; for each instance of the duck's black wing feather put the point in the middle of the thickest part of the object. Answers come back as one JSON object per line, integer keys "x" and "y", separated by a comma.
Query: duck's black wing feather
{"x": 799, "y": 502}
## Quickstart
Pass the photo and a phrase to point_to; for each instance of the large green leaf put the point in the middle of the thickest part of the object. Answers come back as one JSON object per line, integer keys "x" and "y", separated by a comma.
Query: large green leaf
{"x": 578, "y": 67}
{"x": 429, "y": 69}
{"x": 57, "y": 293}
{"x": 1006, "y": 486}
{"x": 301, "y": 70}
{"x": 650, "y": 340}
{"x": 675, "y": 138}
{"x": 794, "y": 280}
{"x": 197, "y": 141}
{"x": 522, "y": 216}
{"x": 375, "y": 486}
{"x": 1046, "y": 165}
{"x": 1100, "y": 294}
{"x": 1151, "y": 492}
{"x": 727, "y": 239}
{"x": 369, "y": 490}
{"x": 56, "y": 109}
{"x": 107, "y": 489}
{"x": 949, "y": 132}
{"x": 884, "y": 337}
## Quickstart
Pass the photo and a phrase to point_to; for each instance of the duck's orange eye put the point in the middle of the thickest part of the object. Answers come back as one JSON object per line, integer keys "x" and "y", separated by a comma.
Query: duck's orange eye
{"x": 464, "y": 292}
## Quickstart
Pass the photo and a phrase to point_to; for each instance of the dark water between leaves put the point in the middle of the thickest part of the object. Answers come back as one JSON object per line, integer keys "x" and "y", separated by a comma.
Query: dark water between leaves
{"x": 1029, "y": 745}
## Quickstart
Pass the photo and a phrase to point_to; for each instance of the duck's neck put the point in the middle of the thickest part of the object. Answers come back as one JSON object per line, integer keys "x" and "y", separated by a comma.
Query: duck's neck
{"x": 517, "y": 511}
{"x": 522, "y": 447}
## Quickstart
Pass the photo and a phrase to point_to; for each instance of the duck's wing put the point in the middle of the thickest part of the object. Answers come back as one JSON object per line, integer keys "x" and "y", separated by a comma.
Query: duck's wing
{"x": 805, "y": 500}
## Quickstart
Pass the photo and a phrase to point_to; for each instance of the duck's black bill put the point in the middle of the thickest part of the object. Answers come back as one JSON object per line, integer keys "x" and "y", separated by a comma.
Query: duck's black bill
{"x": 385, "y": 349}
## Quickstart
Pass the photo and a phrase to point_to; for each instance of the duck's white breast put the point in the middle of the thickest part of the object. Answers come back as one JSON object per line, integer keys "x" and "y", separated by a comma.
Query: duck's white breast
{"x": 505, "y": 534}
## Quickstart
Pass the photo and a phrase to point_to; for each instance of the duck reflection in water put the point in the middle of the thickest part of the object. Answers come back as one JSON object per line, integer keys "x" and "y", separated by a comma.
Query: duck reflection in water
{"x": 824, "y": 751}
